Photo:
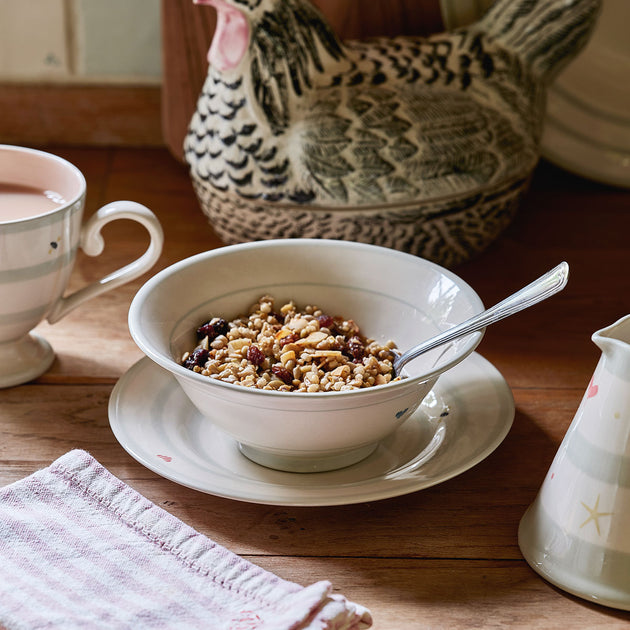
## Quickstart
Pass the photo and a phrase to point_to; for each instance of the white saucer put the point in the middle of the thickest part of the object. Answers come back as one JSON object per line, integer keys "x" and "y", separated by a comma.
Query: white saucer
{"x": 460, "y": 423}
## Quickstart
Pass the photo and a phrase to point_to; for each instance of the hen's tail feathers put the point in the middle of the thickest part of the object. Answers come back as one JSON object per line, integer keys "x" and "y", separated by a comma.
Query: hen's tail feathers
{"x": 545, "y": 34}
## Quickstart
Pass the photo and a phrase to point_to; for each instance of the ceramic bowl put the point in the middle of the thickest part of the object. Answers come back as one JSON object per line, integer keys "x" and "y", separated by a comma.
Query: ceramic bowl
{"x": 447, "y": 230}
{"x": 390, "y": 294}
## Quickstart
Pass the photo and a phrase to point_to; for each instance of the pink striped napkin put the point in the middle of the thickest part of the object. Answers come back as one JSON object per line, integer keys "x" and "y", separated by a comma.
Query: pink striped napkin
{"x": 81, "y": 549}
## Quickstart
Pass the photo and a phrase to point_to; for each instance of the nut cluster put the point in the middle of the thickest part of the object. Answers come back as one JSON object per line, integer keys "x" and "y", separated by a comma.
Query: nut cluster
{"x": 290, "y": 350}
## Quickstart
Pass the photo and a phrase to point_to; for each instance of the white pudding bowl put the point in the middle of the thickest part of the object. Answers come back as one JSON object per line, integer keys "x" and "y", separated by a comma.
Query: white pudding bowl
{"x": 389, "y": 294}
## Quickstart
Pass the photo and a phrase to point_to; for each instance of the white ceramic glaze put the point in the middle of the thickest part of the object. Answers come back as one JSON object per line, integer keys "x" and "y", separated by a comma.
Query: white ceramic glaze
{"x": 464, "y": 419}
{"x": 587, "y": 123}
{"x": 37, "y": 255}
{"x": 422, "y": 144}
{"x": 575, "y": 534}
{"x": 391, "y": 295}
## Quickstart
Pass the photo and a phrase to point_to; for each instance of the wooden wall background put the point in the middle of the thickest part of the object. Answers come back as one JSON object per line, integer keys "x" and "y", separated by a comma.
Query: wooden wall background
{"x": 123, "y": 115}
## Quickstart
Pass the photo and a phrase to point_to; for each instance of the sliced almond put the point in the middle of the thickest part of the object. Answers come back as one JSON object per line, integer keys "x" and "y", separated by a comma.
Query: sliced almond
{"x": 313, "y": 339}
{"x": 285, "y": 357}
{"x": 330, "y": 354}
{"x": 342, "y": 371}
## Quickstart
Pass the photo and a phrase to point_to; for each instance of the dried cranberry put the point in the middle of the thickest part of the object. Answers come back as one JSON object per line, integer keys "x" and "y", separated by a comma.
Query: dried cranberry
{"x": 282, "y": 373}
{"x": 325, "y": 321}
{"x": 255, "y": 355}
{"x": 354, "y": 347}
{"x": 212, "y": 329}
{"x": 199, "y": 356}
{"x": 290, "y": 338}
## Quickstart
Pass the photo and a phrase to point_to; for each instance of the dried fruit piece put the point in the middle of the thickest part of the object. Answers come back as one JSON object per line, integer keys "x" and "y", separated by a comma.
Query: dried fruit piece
{"x": 255, "y": 355}
{"x": 213, "y": 328}
{"x": 287, "y": 339}
{"x": 326, "y": 321}
{"x": 282, "y": 373}
{"x": 355, "y": 348}
{"x": 198, "y": 357}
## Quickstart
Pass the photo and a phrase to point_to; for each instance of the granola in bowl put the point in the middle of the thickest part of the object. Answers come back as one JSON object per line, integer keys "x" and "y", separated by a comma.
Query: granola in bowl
{"x": 290, "y": 350}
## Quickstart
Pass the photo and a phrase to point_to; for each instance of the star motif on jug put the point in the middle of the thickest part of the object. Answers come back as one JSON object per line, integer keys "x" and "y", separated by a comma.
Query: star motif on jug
{"x": 594, "y": 515}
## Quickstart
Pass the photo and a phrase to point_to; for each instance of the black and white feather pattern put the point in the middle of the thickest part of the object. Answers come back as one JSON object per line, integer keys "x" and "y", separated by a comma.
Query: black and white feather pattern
{"x": 425, "y": 144}
{"x": 308, "y": 119}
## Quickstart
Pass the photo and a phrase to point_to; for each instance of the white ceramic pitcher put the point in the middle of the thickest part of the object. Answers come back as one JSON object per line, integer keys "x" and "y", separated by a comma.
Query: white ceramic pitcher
{"x": 576, "y": 534}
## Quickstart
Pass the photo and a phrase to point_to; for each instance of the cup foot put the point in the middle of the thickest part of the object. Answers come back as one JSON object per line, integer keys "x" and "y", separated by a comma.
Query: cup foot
{"x": 23, "y": 360}
{"x": 299, "y": 463}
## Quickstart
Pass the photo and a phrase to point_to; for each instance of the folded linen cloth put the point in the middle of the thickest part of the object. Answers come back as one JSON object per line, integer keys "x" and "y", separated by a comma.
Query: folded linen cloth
{"x": 81, "y": 549}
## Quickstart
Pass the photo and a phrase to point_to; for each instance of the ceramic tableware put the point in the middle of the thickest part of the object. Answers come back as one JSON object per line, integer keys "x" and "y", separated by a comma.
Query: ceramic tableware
{"x": 458, "y": 424}
{"x": 575, "y": 534}
{"x": 421, "y": 144}
{"x": 42, "y": 198}
{"x": 587, "y": 122}
{"x": 389, "y": 294}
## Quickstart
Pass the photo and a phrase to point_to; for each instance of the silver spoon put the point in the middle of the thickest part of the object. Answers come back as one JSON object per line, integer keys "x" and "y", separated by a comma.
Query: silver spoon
{"x": 539, "y": 290}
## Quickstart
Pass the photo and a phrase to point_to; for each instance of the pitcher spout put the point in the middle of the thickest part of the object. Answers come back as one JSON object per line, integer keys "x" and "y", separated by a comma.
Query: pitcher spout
{"x": 614, "y": 342}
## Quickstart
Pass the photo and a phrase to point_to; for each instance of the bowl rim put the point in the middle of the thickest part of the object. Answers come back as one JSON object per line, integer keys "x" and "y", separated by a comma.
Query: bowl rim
{"x": 171, "y": 365}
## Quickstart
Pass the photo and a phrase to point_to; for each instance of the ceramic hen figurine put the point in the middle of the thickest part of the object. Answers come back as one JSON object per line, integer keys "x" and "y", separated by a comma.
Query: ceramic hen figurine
{"x": 290, "y": 116}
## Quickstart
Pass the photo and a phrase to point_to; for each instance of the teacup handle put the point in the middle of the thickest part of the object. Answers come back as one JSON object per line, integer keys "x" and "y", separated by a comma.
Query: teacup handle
{"x": 92, "y": 244}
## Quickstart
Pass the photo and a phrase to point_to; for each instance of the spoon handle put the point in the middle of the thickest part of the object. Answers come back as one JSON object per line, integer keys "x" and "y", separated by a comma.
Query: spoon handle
{"x": 539, "y": 290}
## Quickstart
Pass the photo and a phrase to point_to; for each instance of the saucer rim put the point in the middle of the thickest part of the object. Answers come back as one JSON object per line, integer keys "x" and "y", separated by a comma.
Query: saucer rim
{"x": 290, "y": 492}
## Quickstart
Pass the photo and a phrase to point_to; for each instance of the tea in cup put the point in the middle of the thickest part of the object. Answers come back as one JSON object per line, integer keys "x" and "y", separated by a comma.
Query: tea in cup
{"x": 42, "y": 198}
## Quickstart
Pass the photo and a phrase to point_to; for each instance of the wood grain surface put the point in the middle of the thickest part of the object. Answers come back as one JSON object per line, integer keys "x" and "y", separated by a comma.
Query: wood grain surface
{"x": 105, "y": 115}
{"x": 445, "y": 557}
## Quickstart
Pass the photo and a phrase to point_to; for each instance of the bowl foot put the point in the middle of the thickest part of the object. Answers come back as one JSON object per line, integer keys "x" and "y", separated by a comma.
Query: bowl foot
{"x": 24, "y": 360}
{"x": 306, "y": 463}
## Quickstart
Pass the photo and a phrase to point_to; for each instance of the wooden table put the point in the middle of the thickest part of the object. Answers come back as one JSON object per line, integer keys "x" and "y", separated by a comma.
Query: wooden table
{"x": 445, "y": 557}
